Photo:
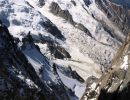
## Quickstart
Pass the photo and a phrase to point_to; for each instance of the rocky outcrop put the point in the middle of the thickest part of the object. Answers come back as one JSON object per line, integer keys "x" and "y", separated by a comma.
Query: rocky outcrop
{"x": 55, "y": 9}
{"x": 118, "y": 14}
{"x": 112, "y": 90}
{"x": 58, "y": 51}
{"x": 52, "y": 29}
{"x": 41, "y": 3}
{"x": 111, "y": 86}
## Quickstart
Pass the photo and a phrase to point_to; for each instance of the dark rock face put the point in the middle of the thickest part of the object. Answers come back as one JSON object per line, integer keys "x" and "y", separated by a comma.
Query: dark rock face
{"x": 116, "y": 95}
{"x": 55, "y": 9}
{"x": 12, "y": 61}
{"x": 83, "y": 28}
{"x": 74, "y": 3}
{"x": 87, "y": 2}
{"x": 111, "y": 89}
{"x": 75, "y": 75}
{"x": 58, "y": 51}
{"x": 41, "y": 3}
{"x": 53, "y": 30}
{"x": 119, "y": 90}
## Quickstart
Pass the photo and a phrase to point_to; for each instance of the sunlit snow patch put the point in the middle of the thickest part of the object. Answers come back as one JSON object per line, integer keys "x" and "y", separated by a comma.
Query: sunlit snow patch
{"x": 125, "y": 63}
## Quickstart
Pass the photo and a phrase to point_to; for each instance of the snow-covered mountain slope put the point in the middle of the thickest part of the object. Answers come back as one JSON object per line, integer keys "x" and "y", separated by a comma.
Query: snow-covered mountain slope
{"x": 92, "y": 26}
{"x": 29, "y": 67}
{"x": 56, "y": 45}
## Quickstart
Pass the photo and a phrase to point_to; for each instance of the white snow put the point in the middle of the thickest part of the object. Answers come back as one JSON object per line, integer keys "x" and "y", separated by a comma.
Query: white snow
{"x": 38, "y": 61}
{"x": 73, "y": 84}
{"x": 85, "y": 51}
{"x": 93, "y": 86}
{"x": 84, "y": 69}
{"x": 28, "y": 81}
{"x": 80, "y": 46}
{"x": 125, "y": 63}
{"x": 83, "y": 15}
{"x": 22, "y": 18}
{"x": 20, "y": 3}
{"x": 44, "y": 49}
